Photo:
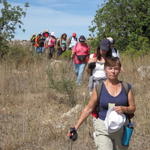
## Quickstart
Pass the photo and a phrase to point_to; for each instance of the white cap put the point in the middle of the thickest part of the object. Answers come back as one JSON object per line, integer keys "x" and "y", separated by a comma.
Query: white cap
{"x": 46, "y": 30}
{"x": 114, "y": 121}
{"x": 111, "y": 40}
{"x": 52, "y": 33}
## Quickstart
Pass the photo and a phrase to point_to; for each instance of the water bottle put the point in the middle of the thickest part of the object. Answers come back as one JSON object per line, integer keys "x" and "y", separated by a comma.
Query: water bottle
{"x": 127, "y": 133}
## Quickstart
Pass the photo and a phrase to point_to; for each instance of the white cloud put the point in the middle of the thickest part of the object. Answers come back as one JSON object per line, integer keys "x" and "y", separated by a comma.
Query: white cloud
{"x": 41, "y": 18}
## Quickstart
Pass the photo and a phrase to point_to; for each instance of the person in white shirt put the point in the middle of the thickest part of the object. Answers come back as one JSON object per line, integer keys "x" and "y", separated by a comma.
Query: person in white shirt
{"x": 115, "y": 52}
{"x": 96, "y": 64}
{"x": 72, "y": 41}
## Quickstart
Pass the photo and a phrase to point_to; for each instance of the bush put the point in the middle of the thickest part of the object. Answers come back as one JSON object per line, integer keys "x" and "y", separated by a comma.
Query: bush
{"x": 66, "y": 55}
{"x": 140, "y": 47}
{"x": 4, "y": 49}
{"x": 60, "y": 79}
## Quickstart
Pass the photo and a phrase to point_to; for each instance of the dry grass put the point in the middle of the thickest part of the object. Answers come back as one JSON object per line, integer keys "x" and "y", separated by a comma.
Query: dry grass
{"x": 34, "y": 116}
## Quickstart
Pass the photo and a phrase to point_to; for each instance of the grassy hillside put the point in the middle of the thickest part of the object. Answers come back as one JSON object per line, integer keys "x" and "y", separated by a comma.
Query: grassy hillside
{"x": 39, "y": 101}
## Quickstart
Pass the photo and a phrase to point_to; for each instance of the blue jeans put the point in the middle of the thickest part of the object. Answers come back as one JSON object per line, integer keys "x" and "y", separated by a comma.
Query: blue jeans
{"x": 40, "y": 49}
{"x": 79, "y": 69}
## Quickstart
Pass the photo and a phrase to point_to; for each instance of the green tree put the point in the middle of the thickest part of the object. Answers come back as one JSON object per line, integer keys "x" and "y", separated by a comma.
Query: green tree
{"x": 10, "y": 20}
{"x": 124, "y": 20}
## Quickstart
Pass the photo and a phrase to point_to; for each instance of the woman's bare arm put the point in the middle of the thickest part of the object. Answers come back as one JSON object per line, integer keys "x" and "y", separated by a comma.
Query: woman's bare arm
{"x": 88, "y": 109}
{"x": 127, "y": 109}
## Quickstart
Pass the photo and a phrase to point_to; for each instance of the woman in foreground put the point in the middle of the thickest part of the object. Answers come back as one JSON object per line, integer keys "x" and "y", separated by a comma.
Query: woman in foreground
{"x": 113, "y": 94}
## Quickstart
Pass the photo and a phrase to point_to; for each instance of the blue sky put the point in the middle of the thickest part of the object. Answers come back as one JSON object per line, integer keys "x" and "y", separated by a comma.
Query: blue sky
{"x": 59, "y": 16}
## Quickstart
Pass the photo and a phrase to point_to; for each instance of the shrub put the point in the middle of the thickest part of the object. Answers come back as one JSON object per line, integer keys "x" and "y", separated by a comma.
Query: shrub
{"x": 140, "y": 47}
{"x": 66, "y": 55}
{"x": 60, "y": 79}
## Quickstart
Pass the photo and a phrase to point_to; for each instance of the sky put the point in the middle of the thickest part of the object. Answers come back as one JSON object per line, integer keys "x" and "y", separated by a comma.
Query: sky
{"x": 59, "y": 16}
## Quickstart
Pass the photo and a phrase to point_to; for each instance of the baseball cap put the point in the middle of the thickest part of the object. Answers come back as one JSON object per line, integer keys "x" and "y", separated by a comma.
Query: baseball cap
{"x": 82, "y": 38}
{"x": 105, "y": 45}
{"x": 74, "y": 34}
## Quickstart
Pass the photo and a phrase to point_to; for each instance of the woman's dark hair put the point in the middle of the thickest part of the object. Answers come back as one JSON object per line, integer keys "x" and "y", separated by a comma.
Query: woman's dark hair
{"x": 109, "y": 53}
{"x": 112, "y": 62}
{"x": 98, "y": 54}
{"x": 63, "y": 35}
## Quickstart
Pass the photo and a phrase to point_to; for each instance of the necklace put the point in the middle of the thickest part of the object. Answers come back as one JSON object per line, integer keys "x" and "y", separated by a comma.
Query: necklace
{"x": 113, "y": 90}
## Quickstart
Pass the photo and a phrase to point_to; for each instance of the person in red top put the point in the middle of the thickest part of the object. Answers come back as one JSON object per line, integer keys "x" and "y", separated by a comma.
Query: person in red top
{"x": 80, "y": 55}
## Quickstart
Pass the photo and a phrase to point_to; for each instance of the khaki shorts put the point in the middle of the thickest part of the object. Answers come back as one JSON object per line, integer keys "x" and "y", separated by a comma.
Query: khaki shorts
{"x": 105, "y": 140}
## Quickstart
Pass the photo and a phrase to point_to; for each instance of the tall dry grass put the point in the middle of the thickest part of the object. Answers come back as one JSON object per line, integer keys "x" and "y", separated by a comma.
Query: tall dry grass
{"x": 36, "y": 114}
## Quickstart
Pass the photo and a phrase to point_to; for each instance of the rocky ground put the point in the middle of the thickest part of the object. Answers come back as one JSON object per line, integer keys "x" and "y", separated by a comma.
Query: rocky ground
{"x": 36, "y": 117}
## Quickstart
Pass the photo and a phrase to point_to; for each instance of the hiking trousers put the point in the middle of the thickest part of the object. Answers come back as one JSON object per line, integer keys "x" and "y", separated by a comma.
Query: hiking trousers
{"x": 79, "y": 69}
{"x": 51, "y": 52}
{"x": 105, "y": 140}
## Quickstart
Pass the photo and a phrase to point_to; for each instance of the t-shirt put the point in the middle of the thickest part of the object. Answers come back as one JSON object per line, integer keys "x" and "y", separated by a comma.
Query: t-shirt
{"x": 81, "y": 49}
{"x": 105, "y": 98}
{"x": 50, "y": 41}
{"x": 73, "y": 42}
{"x": 98, "y": 71}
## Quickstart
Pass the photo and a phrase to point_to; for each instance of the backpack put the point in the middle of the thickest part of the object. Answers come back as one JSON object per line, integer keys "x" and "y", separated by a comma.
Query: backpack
{"x": 98, "y": 91}
{"x": 115, "y": 50}
{"x": 82, "y": 58}
{"x": 33, "y": 38}
{"x": 41, "y": 41}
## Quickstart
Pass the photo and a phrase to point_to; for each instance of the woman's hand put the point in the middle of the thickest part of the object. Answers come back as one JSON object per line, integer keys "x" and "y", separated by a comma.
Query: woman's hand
{"x": 72, "y": 134}
{"x": 92, "y": 60}
{"x": 119, "y": 109}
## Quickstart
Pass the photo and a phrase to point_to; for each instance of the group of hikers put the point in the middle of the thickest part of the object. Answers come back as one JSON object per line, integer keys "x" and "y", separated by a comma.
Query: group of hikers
{"x": 111, "y": 102}
{"x": 49, "y": 41}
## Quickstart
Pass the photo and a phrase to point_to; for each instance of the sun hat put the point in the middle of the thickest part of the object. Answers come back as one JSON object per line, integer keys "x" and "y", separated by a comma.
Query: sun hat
{"x": 52, "y": 33}
{"x": 82, "y": 38}
{"x": 105, "y": 45}
{"x": 74, "y": 34}
{"x": 114, "y": 121}
{"x": 111, "y": 40}
{"x": 46, "y": 30}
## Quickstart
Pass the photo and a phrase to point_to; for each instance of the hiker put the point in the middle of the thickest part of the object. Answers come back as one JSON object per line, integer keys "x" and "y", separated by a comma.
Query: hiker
{"x": 62, "y": 44}
{"x": 32, "y": 40}
{"x": 80, "y": 56}
{"x": 111, "y": 96}
{"x": 114, "y": 51}
{"x": 72, "y": 41}
{"x": 37, "y": 45}
{"x": 50, "y": 43}
{"x": 45, "y": 34}
{"x": 95, "y": 67}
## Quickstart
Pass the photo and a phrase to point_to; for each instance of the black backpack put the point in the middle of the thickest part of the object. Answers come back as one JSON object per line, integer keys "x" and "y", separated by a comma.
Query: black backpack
{"x": 41, "y": 41}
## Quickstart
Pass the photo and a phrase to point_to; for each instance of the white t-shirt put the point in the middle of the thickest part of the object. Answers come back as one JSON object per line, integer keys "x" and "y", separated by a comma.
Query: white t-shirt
{"x": 73, "y": 42}
{"x": 98, "y": 71}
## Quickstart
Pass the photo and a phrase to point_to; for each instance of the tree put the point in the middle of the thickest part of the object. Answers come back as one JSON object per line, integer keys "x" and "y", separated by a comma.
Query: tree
{"x": 124, "y": 20}
{"x": 10, "y": 19}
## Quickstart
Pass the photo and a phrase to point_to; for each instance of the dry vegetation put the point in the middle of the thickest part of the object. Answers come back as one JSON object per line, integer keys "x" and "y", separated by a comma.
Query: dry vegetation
{"x": 36, "y": 115}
